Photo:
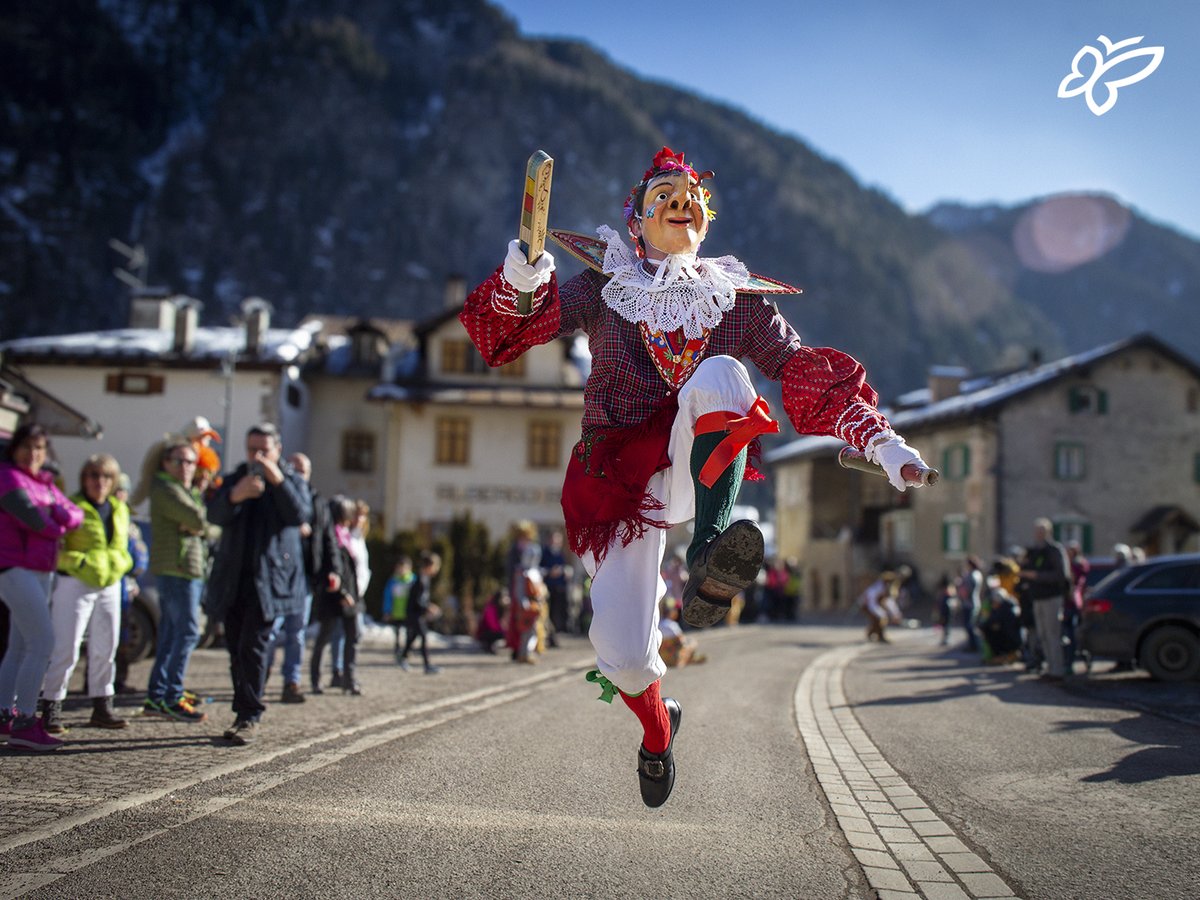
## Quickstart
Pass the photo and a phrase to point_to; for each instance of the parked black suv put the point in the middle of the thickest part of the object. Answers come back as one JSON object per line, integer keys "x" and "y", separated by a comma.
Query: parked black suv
{"x": 1148, "y": 612}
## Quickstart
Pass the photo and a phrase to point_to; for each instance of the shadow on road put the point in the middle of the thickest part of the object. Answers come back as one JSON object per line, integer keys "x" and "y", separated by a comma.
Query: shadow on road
{"x": 1166, "y": 752}
{"x": 1173, "y": 754}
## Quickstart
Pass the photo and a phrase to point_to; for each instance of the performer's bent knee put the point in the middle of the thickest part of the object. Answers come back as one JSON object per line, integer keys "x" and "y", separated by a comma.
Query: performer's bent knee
{"x": 719, "y": 384}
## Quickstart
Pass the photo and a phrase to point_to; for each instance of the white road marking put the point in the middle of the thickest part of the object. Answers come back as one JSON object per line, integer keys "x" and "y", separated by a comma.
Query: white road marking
{"x": 903, "y": 846}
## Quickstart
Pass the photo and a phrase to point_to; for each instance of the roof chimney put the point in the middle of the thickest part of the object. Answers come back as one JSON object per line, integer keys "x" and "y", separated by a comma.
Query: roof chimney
{"x": 945, "y": 382}
{"x": 187, "y": 316}
{"x": 152, "y": 308}
{"x": 456, "y": 291}
{"x": 256, "y": 313}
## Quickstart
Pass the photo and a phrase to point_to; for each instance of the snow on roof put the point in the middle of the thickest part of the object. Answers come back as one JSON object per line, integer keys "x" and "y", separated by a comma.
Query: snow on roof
{"x": 280, "y": 345}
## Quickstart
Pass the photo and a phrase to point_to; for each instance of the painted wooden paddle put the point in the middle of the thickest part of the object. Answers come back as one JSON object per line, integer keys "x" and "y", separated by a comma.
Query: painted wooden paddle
{"x": 535, "y": 208}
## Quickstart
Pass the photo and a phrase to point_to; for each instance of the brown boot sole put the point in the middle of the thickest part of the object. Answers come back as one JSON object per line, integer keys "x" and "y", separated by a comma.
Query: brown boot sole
{"x": 726, "y": 567}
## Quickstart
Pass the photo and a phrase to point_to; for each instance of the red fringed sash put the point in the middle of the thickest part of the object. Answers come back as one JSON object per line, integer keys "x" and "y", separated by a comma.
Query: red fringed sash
{"x": 605, "y": 495}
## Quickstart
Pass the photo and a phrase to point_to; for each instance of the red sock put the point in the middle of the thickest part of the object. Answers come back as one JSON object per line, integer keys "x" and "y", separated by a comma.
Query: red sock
{"x": 649, "y": 709}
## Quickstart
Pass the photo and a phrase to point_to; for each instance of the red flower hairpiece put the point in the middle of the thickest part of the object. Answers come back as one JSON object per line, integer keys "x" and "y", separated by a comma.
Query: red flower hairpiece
{"x": 665, "y": 160}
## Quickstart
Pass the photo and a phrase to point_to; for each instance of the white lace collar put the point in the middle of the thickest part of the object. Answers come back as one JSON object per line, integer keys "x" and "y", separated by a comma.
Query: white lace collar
{"x": 684, "y": 292}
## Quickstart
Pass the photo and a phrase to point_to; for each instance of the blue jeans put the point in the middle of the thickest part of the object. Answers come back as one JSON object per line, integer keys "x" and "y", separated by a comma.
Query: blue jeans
{"x": 289, "y": 633}
{"x": 26, "y": 593}
{"x": 178, "y": 634}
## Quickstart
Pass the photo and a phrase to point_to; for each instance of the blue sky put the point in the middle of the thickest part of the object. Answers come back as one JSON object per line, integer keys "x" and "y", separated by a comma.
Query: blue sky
{"x": 931, "y": 101}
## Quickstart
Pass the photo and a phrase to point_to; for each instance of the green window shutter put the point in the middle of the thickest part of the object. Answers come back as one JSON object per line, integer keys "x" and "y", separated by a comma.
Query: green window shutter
{"x": 945, "y": 536}
{"x": 966, "y": 455}
{"x": 1102, "y": 402}
{"x": 1058, "y": 532}
{"x": 1087, "y": 538}
{"x": 1075, "y": 400}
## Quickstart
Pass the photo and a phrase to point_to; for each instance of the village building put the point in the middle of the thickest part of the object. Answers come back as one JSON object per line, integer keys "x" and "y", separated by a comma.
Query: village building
{"x": 1106, "y": 444}
{"x": 465, "y": 438}
{"x": 136, "y": 384}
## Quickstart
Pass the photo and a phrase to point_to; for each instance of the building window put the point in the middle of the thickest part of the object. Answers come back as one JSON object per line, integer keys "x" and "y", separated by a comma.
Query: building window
{"x": 956, "y": 535}
{"x": 1077, "y": 530}
{"x": 956, "y": 462}
{"x": 514, "y": 369}
{"x": 459, "y": 357}
{"x": 453, "y": 442}
{"x": 358, "y": 451}
{"x": 135, "y": 383}
{"x": 1086, "y": 398}
{"x": 545, "y": 445}
{"x": 1068, "y": 461}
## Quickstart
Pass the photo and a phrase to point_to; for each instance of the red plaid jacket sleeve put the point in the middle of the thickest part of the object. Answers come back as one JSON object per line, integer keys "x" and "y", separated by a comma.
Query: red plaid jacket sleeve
{"x": 825, "y": 391}
{"x": 501, "y": 333}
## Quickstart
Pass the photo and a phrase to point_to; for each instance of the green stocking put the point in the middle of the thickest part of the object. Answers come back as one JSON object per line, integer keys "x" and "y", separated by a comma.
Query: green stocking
{"x": 714, "y": 505}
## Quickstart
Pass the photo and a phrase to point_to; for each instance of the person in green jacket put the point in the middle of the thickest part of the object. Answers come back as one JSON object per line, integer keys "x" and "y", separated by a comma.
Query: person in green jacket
{"x": 87, "y": 596}
{"x": 178, "y": 561}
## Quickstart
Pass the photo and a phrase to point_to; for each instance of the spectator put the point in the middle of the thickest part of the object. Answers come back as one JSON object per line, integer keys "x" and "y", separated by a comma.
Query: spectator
{"x": 259, "y": 573}
{"x": 34, "y": 515}
{"x": 491, "y": 621}
{"x": 970, "y": 586}
{"x": 1001, "y": 628}
{"x": 554, "y": 575}
{"x": 947, "y": 602}
{"x": 1048, "y": 576}
{"x": 139, "y": 553}
{"x": 526, "y": 589}
{"x": 395, "y": 598}
{"x": 289, "y": 630}
{"x": 677, "y": 649}
{"x": 340, "y": 599}
{"x": 1073, "y": 604}
{"x": 420, "y": 609}
{"x": 178, "y": 561}
{"x": 358, "y": 549}
{"x": 86, "y": 599}
{"x": 776, "y": 589}
{"x": 873, "y": 602}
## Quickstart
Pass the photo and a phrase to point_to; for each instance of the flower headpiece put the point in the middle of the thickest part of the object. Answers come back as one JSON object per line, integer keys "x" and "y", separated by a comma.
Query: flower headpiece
{"x": 667, "y": 160}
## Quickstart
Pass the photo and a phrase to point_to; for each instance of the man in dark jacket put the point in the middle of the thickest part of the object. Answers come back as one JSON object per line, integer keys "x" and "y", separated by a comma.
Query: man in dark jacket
{"x": 1047, "y": 575}
{"x": 258, "y": 574}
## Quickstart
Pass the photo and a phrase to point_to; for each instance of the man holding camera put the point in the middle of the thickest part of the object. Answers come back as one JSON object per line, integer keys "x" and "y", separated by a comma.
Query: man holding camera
{"x": 258, "y": 574}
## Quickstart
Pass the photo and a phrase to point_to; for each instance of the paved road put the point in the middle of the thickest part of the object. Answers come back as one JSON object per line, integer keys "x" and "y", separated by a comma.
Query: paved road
{"x": 497, "y": 780}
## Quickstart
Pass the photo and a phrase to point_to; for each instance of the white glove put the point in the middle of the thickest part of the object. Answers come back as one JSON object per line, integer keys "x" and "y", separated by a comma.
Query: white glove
{"x": 892, "y": 454}
{"x": 521, "y": 275}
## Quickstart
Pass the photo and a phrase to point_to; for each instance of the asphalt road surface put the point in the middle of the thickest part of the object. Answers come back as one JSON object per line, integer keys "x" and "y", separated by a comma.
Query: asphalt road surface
{"x": 496, "y": 780}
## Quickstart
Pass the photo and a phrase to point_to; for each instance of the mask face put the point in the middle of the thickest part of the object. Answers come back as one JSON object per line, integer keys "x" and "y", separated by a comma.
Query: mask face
{"x": 674, "y": 215}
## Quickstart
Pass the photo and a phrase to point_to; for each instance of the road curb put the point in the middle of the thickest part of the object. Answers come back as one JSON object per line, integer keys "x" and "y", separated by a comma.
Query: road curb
{"x": 904, "y": 848}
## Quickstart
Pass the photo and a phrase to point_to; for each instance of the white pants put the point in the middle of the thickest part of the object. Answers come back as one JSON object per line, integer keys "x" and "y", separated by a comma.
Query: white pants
{"x": 628, "y": 586}
{"x": 78, "y": 610}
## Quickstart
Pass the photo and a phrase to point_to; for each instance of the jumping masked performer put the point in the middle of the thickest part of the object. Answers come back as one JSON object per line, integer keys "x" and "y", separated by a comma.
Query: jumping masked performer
{"x": 670, "y": 418}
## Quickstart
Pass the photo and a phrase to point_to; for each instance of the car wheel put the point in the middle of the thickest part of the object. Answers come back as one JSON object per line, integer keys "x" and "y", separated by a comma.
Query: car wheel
{"x": 1171, "y": 653}
{"x": 139, "y": 633}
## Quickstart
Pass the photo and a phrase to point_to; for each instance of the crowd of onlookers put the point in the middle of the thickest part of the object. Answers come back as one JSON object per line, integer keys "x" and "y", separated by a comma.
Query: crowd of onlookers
{"x": 258, "y": 547}
{"x": 1026, "y": 607}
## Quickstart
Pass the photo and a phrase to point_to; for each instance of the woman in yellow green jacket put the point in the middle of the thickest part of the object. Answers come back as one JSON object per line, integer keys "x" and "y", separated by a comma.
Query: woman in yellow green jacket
{"x": 87, "y": 596}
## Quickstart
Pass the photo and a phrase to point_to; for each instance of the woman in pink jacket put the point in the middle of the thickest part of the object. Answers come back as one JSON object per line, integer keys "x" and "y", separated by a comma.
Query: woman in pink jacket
{"x": 34, "y": 514}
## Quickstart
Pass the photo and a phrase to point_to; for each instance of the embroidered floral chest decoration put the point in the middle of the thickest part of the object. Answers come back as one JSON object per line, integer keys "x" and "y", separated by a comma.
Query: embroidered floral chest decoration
{"x": 675, "y": 356}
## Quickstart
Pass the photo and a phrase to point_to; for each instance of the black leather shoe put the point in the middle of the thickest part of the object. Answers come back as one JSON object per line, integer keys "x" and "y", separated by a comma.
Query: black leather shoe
{"x": 656, "y": 771}
{"x": 726, "y": 566}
